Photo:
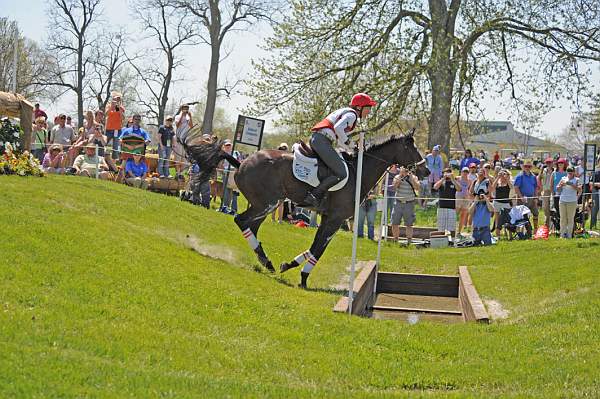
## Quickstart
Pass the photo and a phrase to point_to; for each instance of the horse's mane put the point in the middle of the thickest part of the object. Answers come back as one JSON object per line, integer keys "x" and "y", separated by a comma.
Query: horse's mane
{"x": 372, "y": 147}
{"x": 383, "y": 142}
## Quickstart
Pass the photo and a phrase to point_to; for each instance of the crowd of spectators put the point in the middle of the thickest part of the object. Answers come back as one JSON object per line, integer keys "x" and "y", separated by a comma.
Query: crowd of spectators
{"x": 485, "y": 198}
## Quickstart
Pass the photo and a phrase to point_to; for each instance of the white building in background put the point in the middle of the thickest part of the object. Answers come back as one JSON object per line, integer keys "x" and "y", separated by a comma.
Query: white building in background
{"x": 502, "y": 136}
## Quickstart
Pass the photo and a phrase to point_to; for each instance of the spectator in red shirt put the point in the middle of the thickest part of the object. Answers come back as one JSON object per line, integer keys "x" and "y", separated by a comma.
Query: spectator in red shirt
{"x": 115, "y": 114}
{"x": 37, "y": 112}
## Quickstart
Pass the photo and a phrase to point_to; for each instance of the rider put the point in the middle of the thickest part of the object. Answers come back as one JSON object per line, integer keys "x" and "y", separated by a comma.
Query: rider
{"x": 331, "y": 131}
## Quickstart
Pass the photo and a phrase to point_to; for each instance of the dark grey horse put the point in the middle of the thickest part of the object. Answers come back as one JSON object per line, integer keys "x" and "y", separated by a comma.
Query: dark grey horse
{"x": 266, "y": 177}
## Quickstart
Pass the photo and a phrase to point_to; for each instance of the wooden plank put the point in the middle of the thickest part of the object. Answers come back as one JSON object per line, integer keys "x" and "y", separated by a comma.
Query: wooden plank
{"x": 417, "y": 284}
{"x": 363, "y": 292}
{"x": 418, "y": 232}
{"x": 418, "y": 301}
{"x": 419, "y": 310}
{"x": 342, "y": 305}
{"x": 473, "y": 308}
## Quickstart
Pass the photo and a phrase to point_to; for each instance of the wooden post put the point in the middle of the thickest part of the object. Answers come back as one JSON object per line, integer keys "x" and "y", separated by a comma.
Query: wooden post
{"x": 26, "y": 122}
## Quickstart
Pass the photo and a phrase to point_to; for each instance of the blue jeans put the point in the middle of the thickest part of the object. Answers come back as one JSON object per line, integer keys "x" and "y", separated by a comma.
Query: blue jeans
{"x": 112, "y": 136}
{"x": 201, "y": 194}
{"x": 164, "y": 154}
{"x": 229, "y": 200}
{"x": 482, "y": 235}
{"x": 368, "y": 210}
{"x": 390, "y": 206}
{"x": 595, "y": 208}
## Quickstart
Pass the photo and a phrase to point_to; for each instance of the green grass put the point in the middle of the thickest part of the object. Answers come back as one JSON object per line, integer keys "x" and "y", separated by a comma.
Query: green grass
{"x": 101, "y": 296}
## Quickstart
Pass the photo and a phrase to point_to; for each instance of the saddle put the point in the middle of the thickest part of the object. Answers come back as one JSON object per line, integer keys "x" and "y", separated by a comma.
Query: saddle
{"x": 308, "y": 168}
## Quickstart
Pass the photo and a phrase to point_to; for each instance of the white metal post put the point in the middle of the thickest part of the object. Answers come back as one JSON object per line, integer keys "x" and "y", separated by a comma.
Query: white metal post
{"x": 384, "y": 222}
{"x": 97, "y": 163}
{"x": 361, "y": 145}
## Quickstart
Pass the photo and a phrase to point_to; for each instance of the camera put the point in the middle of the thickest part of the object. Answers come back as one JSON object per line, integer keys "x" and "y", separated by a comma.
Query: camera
{"x": 117, "y": 108}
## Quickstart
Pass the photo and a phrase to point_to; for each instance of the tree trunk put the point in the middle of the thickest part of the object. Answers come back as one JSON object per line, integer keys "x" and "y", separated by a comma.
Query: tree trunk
{"x": 441, "y": 103}
{"x": 80, "y": 84}
{"x": 213, "y": 74}
{"x": 441, "y": 72}
{"x": 164, "y": 98}
{"x": 211, "y": 90}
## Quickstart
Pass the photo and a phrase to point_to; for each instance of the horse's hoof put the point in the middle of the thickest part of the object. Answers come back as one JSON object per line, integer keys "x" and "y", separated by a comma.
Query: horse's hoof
{"x": 284, "y": 267}
{"x": 270, "y": 267}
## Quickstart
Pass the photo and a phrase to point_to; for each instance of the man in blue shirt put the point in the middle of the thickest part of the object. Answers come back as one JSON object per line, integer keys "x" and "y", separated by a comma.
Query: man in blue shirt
{"x": 526, "y": 189}
{"x": 468, "y": 160}
{"x": 435, "y": 164}
{"x": 135, "y": 136}
{"x": 136, "y": 171}
{"x": 481, "y": 211}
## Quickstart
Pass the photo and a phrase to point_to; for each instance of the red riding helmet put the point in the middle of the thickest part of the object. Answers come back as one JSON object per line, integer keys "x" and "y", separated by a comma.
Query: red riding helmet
{"x": 362, "y": 100}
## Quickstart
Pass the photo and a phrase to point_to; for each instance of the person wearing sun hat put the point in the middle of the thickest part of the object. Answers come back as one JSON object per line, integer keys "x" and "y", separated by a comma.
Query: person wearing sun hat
{"x": 89, "y": 164}
{"x": 435, "y": 164}
{"x": 54, "y": 160}
{"x": 526, "y": 188}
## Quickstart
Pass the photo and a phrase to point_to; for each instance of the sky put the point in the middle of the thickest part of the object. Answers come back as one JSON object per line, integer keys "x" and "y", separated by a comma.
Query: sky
{"x": 32, "y": 21}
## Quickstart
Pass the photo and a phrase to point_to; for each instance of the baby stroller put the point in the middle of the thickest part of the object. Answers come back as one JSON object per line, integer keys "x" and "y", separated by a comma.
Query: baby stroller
{"x": 518, "y": 225}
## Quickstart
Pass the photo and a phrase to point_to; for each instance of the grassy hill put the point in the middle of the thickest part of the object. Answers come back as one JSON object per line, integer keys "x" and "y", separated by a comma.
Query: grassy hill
{"x": 105, "y": 292}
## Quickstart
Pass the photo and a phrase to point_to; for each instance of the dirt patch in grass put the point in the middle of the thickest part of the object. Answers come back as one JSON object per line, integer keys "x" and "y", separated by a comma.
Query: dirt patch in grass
{"x": 496, "y": 310}
{"x": 344, "y": 280}
{"x": 201, "y": 247}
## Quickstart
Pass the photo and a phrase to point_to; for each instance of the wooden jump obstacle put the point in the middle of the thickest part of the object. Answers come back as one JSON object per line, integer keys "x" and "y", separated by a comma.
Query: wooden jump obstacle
{"x": 386, "y": 295}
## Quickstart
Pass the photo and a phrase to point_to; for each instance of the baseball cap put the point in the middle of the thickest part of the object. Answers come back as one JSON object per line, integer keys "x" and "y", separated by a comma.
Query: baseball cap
{"x": 465, "y": 169}
{"x": 548, "y": 160}
{"x": 527, "y": 162}
{"x": 226, "y": 142}
{"x": 472, "y": 165}
{"x": 570, "y": 169}
{"x": 436, "y": 147}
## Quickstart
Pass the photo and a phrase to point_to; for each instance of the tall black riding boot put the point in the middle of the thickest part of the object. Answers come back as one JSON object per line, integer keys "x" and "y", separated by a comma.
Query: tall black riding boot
{"x": 303, "y": 278}
{"x": 314, "y": 197}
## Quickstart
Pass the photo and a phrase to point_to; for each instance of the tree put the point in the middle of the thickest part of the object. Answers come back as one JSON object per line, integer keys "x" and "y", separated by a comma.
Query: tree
{"x": 33, "y": 63}
{"x": 218, "y": 19}
{"x": 171, "y": 29}
{"x": 434, "y": 57}
{"x": 71, "y": 23}
{"x": 107, "y": 61}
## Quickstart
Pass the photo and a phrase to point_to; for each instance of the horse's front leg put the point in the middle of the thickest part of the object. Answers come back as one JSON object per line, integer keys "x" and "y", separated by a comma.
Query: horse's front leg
{"x": 325, "y": 233}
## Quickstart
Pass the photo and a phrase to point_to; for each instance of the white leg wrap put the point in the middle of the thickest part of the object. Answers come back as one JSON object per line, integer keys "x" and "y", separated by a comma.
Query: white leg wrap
{"x": 302, "y": 257}
{"x": 251, "y": 238}
{"x": 311, "y": 262}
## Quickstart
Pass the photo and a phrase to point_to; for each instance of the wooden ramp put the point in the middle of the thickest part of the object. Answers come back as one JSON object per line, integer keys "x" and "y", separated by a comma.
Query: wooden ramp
{"x": 414, "y": 297}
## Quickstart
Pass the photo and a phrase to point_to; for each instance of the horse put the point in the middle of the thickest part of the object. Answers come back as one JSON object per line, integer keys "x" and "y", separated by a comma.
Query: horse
{"x": 266, "y": 177}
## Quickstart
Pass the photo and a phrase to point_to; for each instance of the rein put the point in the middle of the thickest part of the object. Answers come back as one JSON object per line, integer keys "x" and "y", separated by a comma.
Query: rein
{"x": 413, "y": 166}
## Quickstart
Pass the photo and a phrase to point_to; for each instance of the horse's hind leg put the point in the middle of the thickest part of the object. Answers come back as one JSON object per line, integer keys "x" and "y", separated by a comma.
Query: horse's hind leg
{"x": 249, "y": 222}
